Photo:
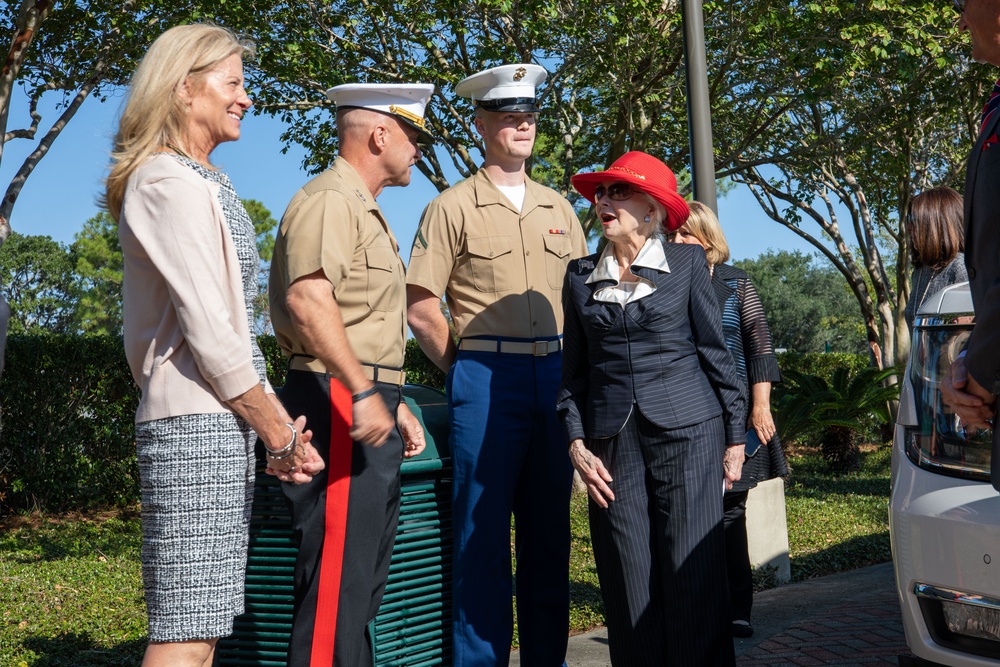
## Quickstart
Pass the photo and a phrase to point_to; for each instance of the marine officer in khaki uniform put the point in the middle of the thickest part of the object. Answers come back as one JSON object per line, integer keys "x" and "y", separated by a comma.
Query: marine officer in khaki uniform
{"x": 496, "y": 246}
{"x": 337, "y": 291}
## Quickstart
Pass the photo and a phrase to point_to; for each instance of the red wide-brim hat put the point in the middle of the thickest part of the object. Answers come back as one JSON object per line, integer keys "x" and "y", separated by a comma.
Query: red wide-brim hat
{"x": 647, "y": 174}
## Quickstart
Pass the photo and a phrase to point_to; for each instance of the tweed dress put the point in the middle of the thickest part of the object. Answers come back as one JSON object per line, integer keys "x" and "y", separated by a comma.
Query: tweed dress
{"x": 197, "y": 476}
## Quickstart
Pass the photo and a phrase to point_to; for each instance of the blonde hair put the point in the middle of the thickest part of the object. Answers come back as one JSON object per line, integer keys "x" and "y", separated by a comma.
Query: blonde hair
{"x": 154, "y": 114}
{"x": 703, "y": 224}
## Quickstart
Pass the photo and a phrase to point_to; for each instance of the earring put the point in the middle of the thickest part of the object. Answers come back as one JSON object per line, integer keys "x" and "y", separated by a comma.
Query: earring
{"x": 646, "y": 219}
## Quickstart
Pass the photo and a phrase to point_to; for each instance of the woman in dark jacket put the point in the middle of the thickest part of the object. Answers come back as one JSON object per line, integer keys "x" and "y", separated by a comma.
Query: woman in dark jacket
{"x": 936, "y": 239}
{"x": 749, "y": 340}
{"x": 654, "y": 417}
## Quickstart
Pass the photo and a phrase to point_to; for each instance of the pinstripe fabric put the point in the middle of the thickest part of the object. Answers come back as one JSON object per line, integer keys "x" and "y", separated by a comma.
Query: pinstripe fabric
{"x": 659, "y": 546}
{"x": 666, "y": 352}
{"x": 653, "y": 389}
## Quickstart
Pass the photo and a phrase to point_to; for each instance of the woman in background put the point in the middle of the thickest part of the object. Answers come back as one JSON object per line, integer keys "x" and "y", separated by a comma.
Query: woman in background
{"x": 937, "y": 245}
{"x": 749, "y": 341}
{"x": 190, "y": 279}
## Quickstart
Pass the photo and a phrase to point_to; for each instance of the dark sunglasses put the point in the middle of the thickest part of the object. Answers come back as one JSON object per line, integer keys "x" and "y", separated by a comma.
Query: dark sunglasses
{"x": 959, "y": 6}
{"x": 615, "y": 191}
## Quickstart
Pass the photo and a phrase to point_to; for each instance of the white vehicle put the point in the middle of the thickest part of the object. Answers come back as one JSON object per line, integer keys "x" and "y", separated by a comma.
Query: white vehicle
{"x": 944, "y": 515}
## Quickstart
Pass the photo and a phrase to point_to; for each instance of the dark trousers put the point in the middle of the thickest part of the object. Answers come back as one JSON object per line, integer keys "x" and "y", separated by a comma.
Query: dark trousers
{"x": 509, "y": 456}
{"x": 734, "y": 519}
{"x": 345, "y": 522}
{"x": 660, "y": 548}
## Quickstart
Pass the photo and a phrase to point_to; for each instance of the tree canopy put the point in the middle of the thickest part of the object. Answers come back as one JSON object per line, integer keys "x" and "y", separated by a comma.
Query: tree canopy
{"x": 98, "y": 273}
{"x": 68, "y": 51}
{"x": 38, "y": 273}
{"x": 834, "y": 114}
{"x": 56, "y": 288}
{"x": 808, "y": 306}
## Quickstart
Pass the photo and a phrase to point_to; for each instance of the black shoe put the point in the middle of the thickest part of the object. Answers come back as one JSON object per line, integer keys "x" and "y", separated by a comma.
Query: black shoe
{"x": 742, "y": 629}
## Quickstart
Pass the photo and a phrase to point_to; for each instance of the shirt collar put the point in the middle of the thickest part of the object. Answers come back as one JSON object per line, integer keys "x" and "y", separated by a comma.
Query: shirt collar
{"x": 651, "y": 256}
{"x": 487, "y": 193}
{"x": 353, "y": 182}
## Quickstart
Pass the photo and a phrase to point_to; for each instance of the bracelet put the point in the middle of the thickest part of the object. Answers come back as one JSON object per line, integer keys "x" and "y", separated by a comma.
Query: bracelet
{"x": 286, "y": 451}
{"x": 362, "y": 395}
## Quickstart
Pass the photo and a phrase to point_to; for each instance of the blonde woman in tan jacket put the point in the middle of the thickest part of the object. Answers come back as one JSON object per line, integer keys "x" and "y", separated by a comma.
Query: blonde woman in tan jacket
{"x": 190, "y": 278}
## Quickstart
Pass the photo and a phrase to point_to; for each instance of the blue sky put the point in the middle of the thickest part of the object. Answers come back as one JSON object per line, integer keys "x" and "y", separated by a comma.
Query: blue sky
{"x": 61, "y": 193}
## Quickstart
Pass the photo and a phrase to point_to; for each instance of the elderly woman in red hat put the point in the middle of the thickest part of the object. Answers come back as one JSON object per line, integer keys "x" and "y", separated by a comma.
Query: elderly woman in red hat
{"x": 654, "y": 415}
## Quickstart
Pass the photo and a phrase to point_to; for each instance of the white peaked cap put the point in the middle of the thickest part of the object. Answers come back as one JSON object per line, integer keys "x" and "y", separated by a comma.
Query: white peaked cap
{"x": 504, "y": 88}
{"x": 406, "y": 101}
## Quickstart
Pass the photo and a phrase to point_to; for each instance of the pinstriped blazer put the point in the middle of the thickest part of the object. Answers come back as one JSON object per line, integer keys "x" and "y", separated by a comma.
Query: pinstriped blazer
{"x": 665, "y": 352}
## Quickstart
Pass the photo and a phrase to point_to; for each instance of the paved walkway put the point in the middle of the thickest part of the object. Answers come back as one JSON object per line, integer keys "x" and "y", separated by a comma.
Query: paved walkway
{"x": 844, "y": 619}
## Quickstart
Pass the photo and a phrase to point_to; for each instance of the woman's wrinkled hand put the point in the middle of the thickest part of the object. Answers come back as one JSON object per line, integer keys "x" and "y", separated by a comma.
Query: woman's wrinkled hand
{"x": 593, "y": 473}
{"x": 304, "y": 463}
{"x": 732, "y": 465}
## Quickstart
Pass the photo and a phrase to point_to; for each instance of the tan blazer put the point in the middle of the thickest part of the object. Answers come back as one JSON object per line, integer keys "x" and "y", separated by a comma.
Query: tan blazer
{"x": 186, "y": 335}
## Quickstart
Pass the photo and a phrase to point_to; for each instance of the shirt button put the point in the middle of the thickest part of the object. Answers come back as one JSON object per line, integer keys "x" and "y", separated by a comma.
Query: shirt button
{"x": 527, "y": 252}
{"x": 534, "y": 324}
{"x": 972, "y": 273}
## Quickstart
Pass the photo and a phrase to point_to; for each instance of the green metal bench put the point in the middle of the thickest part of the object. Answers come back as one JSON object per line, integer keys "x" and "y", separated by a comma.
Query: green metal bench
{"x": 413, "y": 626}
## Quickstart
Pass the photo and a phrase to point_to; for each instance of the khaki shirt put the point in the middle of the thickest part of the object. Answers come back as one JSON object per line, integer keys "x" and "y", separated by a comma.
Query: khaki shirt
{"x": 501, "y": 271}
{"x": 334, "y": 224}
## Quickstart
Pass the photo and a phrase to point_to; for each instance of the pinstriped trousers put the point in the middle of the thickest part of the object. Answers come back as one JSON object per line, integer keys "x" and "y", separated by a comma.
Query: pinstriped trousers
{"x": 660, "y": 548}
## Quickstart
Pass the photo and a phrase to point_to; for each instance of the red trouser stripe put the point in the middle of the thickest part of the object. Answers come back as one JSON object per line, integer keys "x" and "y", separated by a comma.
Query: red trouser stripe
{"x": 338, "y": 489}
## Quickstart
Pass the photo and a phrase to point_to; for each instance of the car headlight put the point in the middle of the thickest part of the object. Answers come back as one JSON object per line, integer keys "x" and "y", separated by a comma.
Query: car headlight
{"x": 938, "y": 442}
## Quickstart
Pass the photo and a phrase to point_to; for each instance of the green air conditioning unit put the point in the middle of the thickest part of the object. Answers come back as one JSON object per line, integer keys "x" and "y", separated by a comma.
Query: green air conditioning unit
{"x": 413, "y": 626}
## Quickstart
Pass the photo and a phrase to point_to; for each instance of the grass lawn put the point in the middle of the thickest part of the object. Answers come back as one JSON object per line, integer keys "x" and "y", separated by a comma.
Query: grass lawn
{"x": 71, "y": 591}
{"x": 837, "y": 523}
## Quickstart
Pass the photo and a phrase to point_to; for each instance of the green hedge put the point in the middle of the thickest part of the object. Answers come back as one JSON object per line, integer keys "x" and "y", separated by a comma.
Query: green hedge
{"x": 68, "y": 404}
{"x": 67, "y": 417}
{"x": 822, "y": 364}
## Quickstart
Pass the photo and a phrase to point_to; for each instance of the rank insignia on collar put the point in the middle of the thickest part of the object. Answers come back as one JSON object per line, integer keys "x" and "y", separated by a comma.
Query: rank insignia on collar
{"x": 360, "y": 196}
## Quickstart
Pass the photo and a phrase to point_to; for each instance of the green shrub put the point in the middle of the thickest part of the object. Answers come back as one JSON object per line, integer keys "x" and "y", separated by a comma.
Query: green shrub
{"x": 837, "y": 409}
{"x": 68, "y": 406}
{"x": 68, "y": 409}
{"x": 419, "y": 369}
{"x": 276, "y": 363}
{"x": 823, "y": 364}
